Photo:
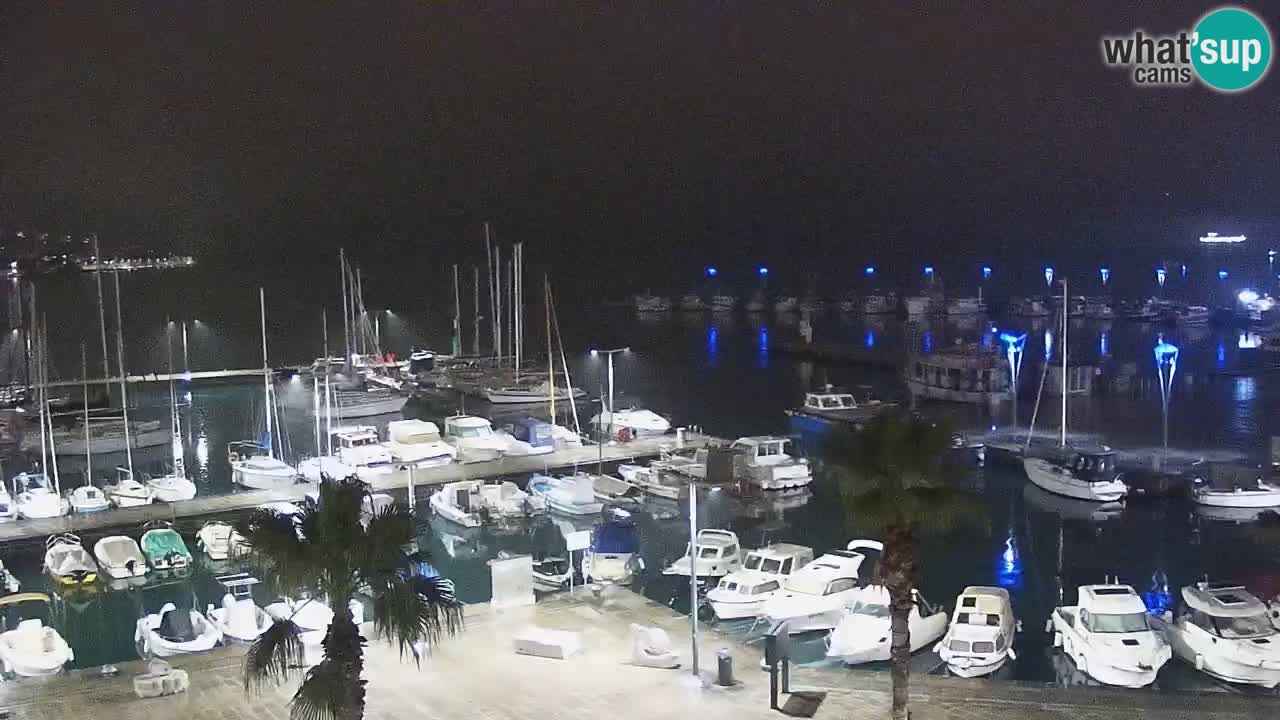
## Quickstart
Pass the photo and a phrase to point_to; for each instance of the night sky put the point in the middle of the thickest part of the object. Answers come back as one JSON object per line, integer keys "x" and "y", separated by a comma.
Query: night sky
{"x": 647, "y": 140}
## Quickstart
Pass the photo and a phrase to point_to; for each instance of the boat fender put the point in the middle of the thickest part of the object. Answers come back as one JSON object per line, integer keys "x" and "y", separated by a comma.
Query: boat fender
{"x": 1057, "y": 640}
{"x": 1199, "y": 662}
{"x": 233, "y": 457}
{"x": 1012, "y": 655}
{"x": 1048, "y": 625}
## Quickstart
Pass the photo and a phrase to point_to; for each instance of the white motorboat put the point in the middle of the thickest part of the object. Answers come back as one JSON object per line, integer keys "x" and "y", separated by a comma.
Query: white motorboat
{"x": 917, "y": 304}
{"x": 718, "y": 555}
{"x": 418, "y": 442}
{"x": 170, "y": 488}
{"x": 459, "y": 502}
{"x": 614, "y": 554}
{"x": 253, "y": 466}
{"x": 173, "y": 632}
{"x": 67, "y": 562}
{"x": 570, "y": 496}
{"x": 1083, "y": 476}
{"x": 31, "y": 649}
{"x": 36, "y": 498}
{"x": 8, "y": 582}
{"x": 610, "y": 489}
{"x": 535, "y": 393}
{"x": 313, "y": 617}
{"x": 507, "y": 500}
{"x": 1222, "y": 485}
{"x": 769, "y": 465}
{"x": 128, "y": 492}
{"x": 120, "y": 557}
{"x": 980, "y": 638}
{"x": 473, "y": 439}
{"x": 164, "y": 548}
{"x": 239, "y": 619}
{"x": 864, "y": 634}
{"x": 1109, "y": 636}
{"x": 815, "y": 597}
{"x": 8, "y": 508}
{"x": 88, "y": 499}
{"x": 1225, "y": 632}
{"x": 651, "y": 303}
{"x": 961, "y": 306}
{"x": 637, "y": 422}
{"x": 358, "y": 446}
{"x": 316, "y": 469}
{"x": 655, "y": 482}
{"x": 876, "y": 304}
{"x": 743, "y": 592}
{"x": 840, "y": 407}
{"x": 219, "y": 540}
{"x": 1192, "y": 316}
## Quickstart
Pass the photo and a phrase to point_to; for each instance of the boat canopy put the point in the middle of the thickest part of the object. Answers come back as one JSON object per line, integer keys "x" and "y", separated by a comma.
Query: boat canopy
{"x": 1222, "y": 600}
{"x": 616, "y": 538}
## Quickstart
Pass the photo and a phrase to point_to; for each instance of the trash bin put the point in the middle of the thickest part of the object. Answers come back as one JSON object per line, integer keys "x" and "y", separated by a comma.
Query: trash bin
{"x": 724, "y": 663}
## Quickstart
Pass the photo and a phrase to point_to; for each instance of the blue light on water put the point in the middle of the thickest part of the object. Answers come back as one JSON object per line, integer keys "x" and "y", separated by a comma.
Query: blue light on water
{"x": 764, "y": 339}
{"x": 1223, "y": 274}
{"x": 869, "y": 270}
{"x": 928, "y": 341}
{"x": 1157, "y": 598}
{"x": 1221, "y": 359}
{"x": 1048, "y": 344}
{"x": 712, "y": 271}
{"x": 713, "y": 345}
{"x": 1184, "y": 271}
{"x": 762, "y": 271}
{"x": 986, "y": 271}
{"x": 1009, "y": 565}
{"x": 928, "y": 271}
{"x": 1106, "y": 274}
{"x": 1103, "y": 348}
{"x": 986, "y": 340}
{"x": 1048, "y": 275}
{"x": 869, "y": 340}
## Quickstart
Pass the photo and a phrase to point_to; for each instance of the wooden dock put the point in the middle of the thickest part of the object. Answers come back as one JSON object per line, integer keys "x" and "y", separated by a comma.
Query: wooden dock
{"x": 394, "y": 482}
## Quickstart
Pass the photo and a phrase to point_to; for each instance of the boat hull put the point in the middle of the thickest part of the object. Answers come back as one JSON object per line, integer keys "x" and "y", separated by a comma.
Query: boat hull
{"x": 1050, "y": 478}
{"x": 972, "y": 667}
{"x": 369, "y": 408}
{"x": 1238, "y": 499}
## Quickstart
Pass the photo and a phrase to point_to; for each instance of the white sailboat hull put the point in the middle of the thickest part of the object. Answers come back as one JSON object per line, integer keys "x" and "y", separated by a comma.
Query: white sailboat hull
{"x": 1051, "y": 478}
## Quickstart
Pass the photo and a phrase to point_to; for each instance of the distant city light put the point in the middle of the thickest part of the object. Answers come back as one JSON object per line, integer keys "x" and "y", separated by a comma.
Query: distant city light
{"x": 1160, "y": 275}
{"x": 869, "y": 270}
{"x": 1166, "y": 353}
{"x": 1102, "y": 344}
{"x": 762, "y": 271}
{"x": 1222, "y": 274}
{"x": 1048, "y": 275}
{"x": 928, "y": 270}
{"x": 1184, "y": 270}
{"x": 869, "y": 340}
{"x": 1106, "y": 274}
{"x": 986, "y": 271}
{"x": 1216, "y": 239}
{"x": 712, "y": 271}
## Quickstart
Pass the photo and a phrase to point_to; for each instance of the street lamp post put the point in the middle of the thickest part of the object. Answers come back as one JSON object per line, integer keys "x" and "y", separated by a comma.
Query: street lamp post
{"x": 1013, "y": 347}
{"x": 610, "y": 354}
{"x": 1166, "y": 365}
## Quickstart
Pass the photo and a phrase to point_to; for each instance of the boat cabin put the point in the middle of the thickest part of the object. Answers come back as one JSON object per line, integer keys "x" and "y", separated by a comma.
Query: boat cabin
{"x": 1094, "y": 466}
{"x": 830, "y": 401}
{"x": 779, "y": 559}
{"x": 982, "y": 623}
{"x": 421, "y": 362}
{"x": 533, "y": 431}
{"x": 715, "y": 545}
{"x": 353, "y": 436}
{"x": 413, "y": 432}
{"x": 1110, "y": 609}
{"x": 467, "y": 426}
{"x": 836, "y": 571}
{"x": 1226, "y": 611}
{"x": 764, "y": 449}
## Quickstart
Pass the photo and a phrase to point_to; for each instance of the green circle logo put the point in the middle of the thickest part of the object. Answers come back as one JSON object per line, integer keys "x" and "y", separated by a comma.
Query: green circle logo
{"x": 1231, "y": 49}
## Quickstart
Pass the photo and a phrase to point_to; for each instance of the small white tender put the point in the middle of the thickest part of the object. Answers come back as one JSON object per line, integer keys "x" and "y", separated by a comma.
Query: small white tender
{"x": 980, "y": 637}
{"x": 1109, "y": 636}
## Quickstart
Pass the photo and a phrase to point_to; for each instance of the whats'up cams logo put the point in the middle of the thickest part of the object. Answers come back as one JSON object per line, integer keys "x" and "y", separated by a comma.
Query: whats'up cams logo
{"x": 1229, "y": 50}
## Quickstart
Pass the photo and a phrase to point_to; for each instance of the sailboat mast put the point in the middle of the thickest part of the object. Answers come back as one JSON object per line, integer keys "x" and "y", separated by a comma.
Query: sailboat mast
{"x": 33, "y": 345}
{"x": 84, "y": 389}
{"x": 488, "y": 270}
{"x": 1063, "y": 441}
{"x": 361, "y": 320}
{"x": 44, "y": 372}
{"x": 124, "y": 397}
{"x": 517, "y": 295}
{"x": 564, "y": 362}
{"x": 475, "y": 333}
{"x": 266, "y": 369}
{"x": 346, "y": 313}
{"x": 511, "y": 314}
{"x": 175, "y": 420}
{"x": 551, "y": 363}
{"x": 457, "y": 314}
{"x": 497, "y": 319}
{"x": 102, "y": 317}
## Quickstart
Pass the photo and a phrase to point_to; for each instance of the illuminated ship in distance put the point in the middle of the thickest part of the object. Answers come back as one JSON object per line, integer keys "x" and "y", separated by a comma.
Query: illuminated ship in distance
{"x": 139, "y": 263}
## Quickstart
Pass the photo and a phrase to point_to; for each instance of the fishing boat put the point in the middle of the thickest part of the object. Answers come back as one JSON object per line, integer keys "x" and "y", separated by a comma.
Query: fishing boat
{"x": 1109, "y": 636}
{"x": 743, "y": 592}
{"x": 1225, "y": 485}
{"x": 88, "y": 499}
{"x": 165, "y": 549}
{"x": 864, "y": 635}
{"x": 473, "y": 439}
{"x": 768, "y": 464}
{"x": 815, "y": 597}
{"x": 172, "y": 632}
{"x": 418, "y": 442}
{"x": 31, "y": 648}
{"x": 980, "y": 638}
{"x": 238, "y": 618}
{"x": 569, "y": 496}
{"x": 120, "y": 557}
{"x": 37, "y": 498}
{"x": 459, "y": 502}
{"x": 877, "y": 304}
{"x": 963, "y": 374}
{"x": 1225, "y": 632}
{"x": 614, "y": 553}
{"x": 67, "y": 562}
{"x": 840, "y": 407}
{"x": 219, "y": 540}
{"x": 718, "y": 555}
{"x": 1085, "y": 475}
{"x": 637, "y": 422}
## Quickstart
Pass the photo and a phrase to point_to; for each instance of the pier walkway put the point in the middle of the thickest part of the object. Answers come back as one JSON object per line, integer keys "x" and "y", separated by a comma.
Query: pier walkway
{"x": 477, "y": 675}
{"x": 394, "y": 481}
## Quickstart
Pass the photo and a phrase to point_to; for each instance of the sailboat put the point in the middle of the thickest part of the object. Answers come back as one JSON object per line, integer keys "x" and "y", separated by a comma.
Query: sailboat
{"x": 1089, "y": 476}
{"x": 174, "y": 486}
{"x": 87, "y": 498}
{"x": 36, "y": 496}
{"x": 254, "y": 465}
{"x": 127, "y": 492}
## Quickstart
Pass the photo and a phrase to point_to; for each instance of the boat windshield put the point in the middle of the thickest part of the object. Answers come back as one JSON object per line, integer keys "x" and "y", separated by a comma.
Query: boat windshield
{"x": 1118, "y": 623}
{"x": 753, "y": 562}
{"x": 478, "y": 431}
{"x": 871, "y": 609}
{"x": 1250, "y": 626}
{"x": 772, "y": 565}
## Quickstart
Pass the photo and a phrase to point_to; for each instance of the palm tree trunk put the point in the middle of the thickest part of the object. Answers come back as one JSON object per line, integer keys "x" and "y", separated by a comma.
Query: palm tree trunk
{"x": 897, "y": 568}
{"x": 344, "y": 646}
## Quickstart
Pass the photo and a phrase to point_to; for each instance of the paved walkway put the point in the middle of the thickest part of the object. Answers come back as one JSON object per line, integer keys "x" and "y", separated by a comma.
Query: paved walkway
{"x": 478, "y": 676}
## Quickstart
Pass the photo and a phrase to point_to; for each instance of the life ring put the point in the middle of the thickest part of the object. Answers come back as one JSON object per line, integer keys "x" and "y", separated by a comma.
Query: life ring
{"x": 233, "y": 457}
{"x": 624, "y": 434}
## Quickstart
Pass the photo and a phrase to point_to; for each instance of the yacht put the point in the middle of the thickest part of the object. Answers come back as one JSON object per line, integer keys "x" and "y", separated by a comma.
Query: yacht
{"x": 107, "y": 435}
{"x": 360, "y": 403}
{"x": 569, "y": 496}
{"x": 917, "y": 304}
{"x": 418, "y": 442}
{"x": 965, "y": 374}
{"x": 961, "y": 306}
{"x": 459, "y": 502}
{"x": 980, "y": 638}
{"x": 67, "y": 562}
{"x": 876, "y": 304}
{"x": 864, "y": 635}
{"x": 1085, "y": 475}
{"x": 718, "y": 554}
{"x": 1225, "y": 632}
{"x": 35, "y": 497}
{"x": 768, "y": 464}
{"x": 357, "y": 446}
{"x": 614, "y": 554}
{"x": 637, "y": 422}
{"x": 839, "y": 407}
{"x": 743, "y": 592}
{"x": 1192, "y": 316}
{"x": 535, "y": 393}
{"x": 815, "y": 597}
{"x": 253, "y": 466}
{"x": 473, "y": 439}
{"x": 1110, "y": 637}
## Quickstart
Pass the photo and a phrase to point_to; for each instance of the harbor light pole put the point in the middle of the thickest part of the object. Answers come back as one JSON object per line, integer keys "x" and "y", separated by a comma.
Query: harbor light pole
{"x": 610, "y": 354}
{"x": 693, "y": 577}
{"x": 1013, "y": 347}
{"x": 1166, "y": 365}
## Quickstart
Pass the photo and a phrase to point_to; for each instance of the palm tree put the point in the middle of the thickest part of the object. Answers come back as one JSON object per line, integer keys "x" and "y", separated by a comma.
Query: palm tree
{"x": 890, "y": 475}
{"x": 329, "y": 552}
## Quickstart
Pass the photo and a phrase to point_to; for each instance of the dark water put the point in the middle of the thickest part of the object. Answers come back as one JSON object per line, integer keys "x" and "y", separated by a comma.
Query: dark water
{"x": 719, "y": 373}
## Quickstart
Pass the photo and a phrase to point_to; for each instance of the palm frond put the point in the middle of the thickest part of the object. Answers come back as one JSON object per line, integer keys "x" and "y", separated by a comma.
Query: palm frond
{"x": 331, "y": 691}
{"x": 272, "y": 656}
{"x": 416, "y": 610}
{"x": 277, "y": 550}
{"x": 383, "y": 548}
{"x": 944, "y": 509}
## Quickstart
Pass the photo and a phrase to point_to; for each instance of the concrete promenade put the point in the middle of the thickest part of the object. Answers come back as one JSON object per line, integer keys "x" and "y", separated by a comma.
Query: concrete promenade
{"x": 476, "y": 675}
{"x": 392, "y": 481}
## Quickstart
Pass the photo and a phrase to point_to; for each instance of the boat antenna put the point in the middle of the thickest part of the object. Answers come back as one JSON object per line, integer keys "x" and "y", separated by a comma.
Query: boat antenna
{"x": 44, "y": 372}
{"x": 124, "y": 399}
{"x": 102, "y": 318}
{"x": 84, "y": 387}
{"x": 266, "y": 368}
{"x": 1063, "y": 441}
